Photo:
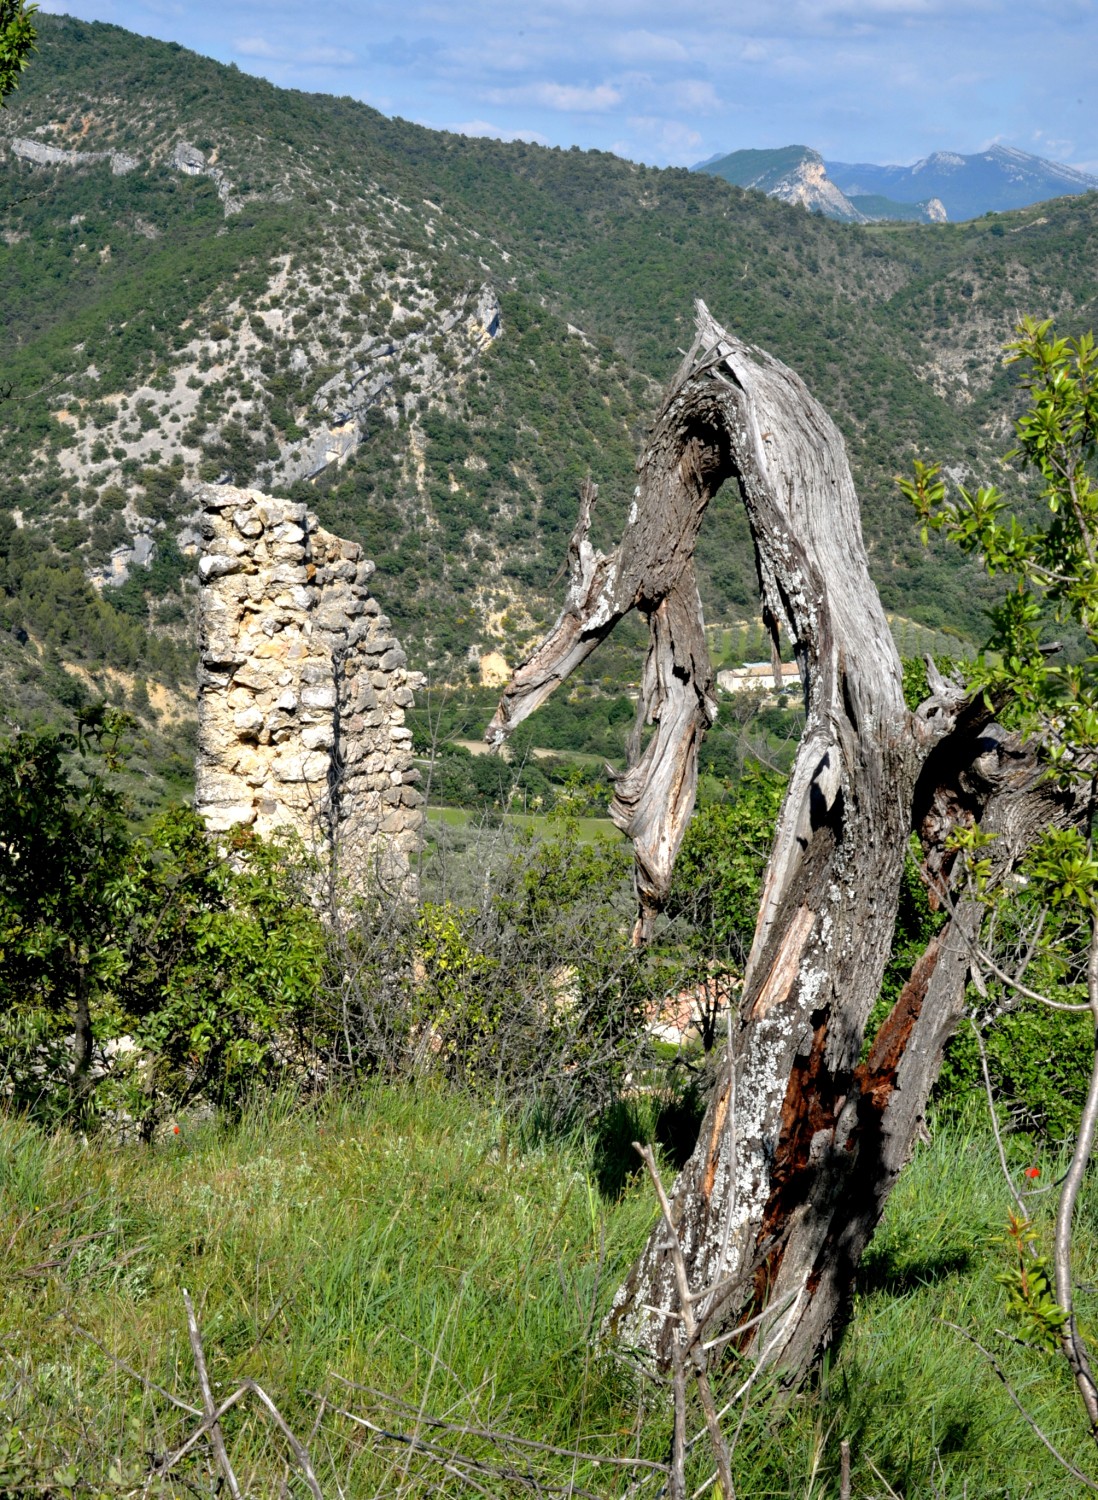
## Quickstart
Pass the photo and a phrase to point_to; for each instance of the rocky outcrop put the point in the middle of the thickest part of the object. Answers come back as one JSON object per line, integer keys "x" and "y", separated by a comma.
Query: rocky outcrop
{"x": 53, "y": 156}
{"x": 484, "y": 324}
{"x": 809, "y": 185}
{"x": 192, "y": 162}
{"x": 302, "y": 692}
{"x": 348, "y": 399}
{"x": 185, "y": 158}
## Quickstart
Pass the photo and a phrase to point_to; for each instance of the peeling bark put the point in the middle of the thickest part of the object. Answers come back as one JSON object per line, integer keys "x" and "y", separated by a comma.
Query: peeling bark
{"x": 801, "y": 1142}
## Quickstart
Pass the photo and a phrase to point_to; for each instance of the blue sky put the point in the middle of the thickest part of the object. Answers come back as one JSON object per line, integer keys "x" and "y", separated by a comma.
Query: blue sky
{"x": 673, "y": 83}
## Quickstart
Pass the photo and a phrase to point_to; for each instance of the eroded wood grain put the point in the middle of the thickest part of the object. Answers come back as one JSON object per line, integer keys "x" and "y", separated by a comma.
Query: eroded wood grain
{"x": 801, "y": 1142}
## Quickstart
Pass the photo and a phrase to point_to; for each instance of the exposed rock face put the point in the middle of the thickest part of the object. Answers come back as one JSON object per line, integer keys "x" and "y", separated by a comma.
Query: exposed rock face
{"x": 809, "y": 185}
{"x": 52, "y": 156}
{"x": 302, "y": 691}
{"x": 192, "y": 162}
{"x": 484, "y": 325}
{"x": 349, "y": 399}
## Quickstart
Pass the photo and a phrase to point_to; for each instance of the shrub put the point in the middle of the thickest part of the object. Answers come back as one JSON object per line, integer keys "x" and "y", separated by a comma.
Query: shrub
{"x": 137, "y": 972}
{"x": 521, "y": 984}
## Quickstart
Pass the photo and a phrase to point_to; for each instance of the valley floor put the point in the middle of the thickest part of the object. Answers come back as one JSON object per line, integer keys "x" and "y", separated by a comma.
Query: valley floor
{"x": 384, "y": 1263}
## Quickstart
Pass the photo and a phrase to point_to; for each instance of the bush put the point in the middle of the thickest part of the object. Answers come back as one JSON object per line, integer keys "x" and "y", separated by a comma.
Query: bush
{"x": 138, "y": 972}
{"x": 142, "y": 973}
{"x": 1039, "y": 1062}
{"x": 520, "y": 984}
{"x": 718, "y": 873}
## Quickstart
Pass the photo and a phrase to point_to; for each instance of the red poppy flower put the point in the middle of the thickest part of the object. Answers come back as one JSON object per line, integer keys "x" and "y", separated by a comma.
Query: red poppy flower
{"x": 175, "y": 1131}
{"x": 1032, "y": 1172}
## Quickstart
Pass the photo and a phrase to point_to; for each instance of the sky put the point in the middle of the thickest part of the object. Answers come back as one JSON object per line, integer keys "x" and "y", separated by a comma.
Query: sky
{"x": 672, "y": 84}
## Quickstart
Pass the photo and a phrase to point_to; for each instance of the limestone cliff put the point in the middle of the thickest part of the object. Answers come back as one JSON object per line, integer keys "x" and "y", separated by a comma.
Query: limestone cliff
{"x": 44, "y": 155}
{"x": 302, "y": 691}
{"x": 809, "y": 185}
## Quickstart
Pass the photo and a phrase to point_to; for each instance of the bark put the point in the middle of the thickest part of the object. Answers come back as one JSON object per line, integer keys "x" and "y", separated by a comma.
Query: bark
{"x": 864, "y": 1137}
{"x": 1071, "y": 1341}
{"x": 801, "y": 1142}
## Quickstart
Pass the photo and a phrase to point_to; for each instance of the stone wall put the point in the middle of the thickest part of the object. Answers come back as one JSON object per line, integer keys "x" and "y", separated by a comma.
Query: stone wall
{"x": 302, "y": 691}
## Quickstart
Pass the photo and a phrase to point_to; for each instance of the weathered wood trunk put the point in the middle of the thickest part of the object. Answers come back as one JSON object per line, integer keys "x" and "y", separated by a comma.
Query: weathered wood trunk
{"x": 801, "y": 1142}
{"x": 783, "y": 1193}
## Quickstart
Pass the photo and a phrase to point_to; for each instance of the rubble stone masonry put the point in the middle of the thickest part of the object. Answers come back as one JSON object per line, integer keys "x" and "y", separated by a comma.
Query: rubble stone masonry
{"x": 302, "y": 691}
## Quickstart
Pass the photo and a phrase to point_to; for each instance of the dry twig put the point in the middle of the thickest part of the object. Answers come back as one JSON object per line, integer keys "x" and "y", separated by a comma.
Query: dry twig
{"x": 690, "y": 1349}
{"x": 216, "y": 1438}
{"x": 998, "y": 1370}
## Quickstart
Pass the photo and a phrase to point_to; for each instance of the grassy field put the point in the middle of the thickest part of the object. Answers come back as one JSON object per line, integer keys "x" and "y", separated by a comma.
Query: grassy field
{"x": 404, "y": 1257}
{"x": 465, "y": 820}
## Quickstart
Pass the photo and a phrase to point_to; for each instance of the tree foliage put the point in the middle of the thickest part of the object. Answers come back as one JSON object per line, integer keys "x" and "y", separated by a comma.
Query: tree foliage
{"x": 138, "y": 971}
{"x": 1051, "y": 568}
{"x": 17, "y": 38}
{"x": 1040, "y": 670}
{"x": 719, "y": 869}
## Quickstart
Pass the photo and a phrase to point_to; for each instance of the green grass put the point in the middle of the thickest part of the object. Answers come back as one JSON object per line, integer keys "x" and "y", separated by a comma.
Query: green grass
{"x": 420, "y": 1245}
{"x": 464, "y": 819}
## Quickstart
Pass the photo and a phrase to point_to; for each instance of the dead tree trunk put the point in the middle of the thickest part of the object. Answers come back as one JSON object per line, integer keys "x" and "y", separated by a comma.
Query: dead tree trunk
{"x": 801, "y": 1143}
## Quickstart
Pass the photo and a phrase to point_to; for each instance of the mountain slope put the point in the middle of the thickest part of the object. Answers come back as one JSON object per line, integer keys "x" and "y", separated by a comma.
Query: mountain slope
{"x": 797, "y": 174}
{"x": 793, "y": 174}
{"x": 762, "y": 170}
{"x": 995, "y": 180}
{"x": 434, "y": 339}
{"x": 873, "y": 207}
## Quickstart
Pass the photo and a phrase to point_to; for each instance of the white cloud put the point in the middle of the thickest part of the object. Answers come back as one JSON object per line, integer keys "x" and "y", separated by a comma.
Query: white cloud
{"x": 567, "y": 97}
{"x": 781, "y": 59}
{"x": 694, "y": 94}
{"x": 254, "y": 46}
{"x": 471, "y": 61}
{"x": 576, "y": 100}
{"x": 1058, "y": 147}
{"x": 647, "y": 46}
{"x": 258, "y": 46}
{"x": 496, "y": 132}
{"x": 661, "y": 138}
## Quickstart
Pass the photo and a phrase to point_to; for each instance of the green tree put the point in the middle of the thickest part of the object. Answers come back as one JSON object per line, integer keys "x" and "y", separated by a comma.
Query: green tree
{"x": 223, "y": 957}
{"x": 138, "y": 972}
{"x": 1040, "y": 669}
{"x": 63, "y": 854}
{"x": 714, "y": 897}
{"x": 17, "y": 42}
{"x": 720, "y": 865}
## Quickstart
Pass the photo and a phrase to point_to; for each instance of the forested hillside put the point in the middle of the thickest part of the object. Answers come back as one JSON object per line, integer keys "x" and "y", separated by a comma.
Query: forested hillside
{"x": 434, "y": 339}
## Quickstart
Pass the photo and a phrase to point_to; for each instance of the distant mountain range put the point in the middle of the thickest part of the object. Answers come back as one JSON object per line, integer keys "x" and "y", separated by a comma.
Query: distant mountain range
{"x": 942, "y": 186}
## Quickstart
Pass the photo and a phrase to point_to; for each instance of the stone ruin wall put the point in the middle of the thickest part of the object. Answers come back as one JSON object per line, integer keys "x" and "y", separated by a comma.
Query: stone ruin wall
{"x": 301, "y": 694}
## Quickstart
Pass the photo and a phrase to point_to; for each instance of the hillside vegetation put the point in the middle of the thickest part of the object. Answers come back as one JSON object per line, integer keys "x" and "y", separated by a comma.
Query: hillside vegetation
{"x": 434, "y": 339}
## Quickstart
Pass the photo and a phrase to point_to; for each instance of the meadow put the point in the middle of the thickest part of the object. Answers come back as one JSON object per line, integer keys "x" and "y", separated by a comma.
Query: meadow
{"x": 415, "y": 1281}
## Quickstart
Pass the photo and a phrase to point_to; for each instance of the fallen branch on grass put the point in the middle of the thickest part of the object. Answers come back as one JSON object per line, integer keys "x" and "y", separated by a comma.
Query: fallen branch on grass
{"x": 997, "y": 1369}
{"x": 500, "y": 1439}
